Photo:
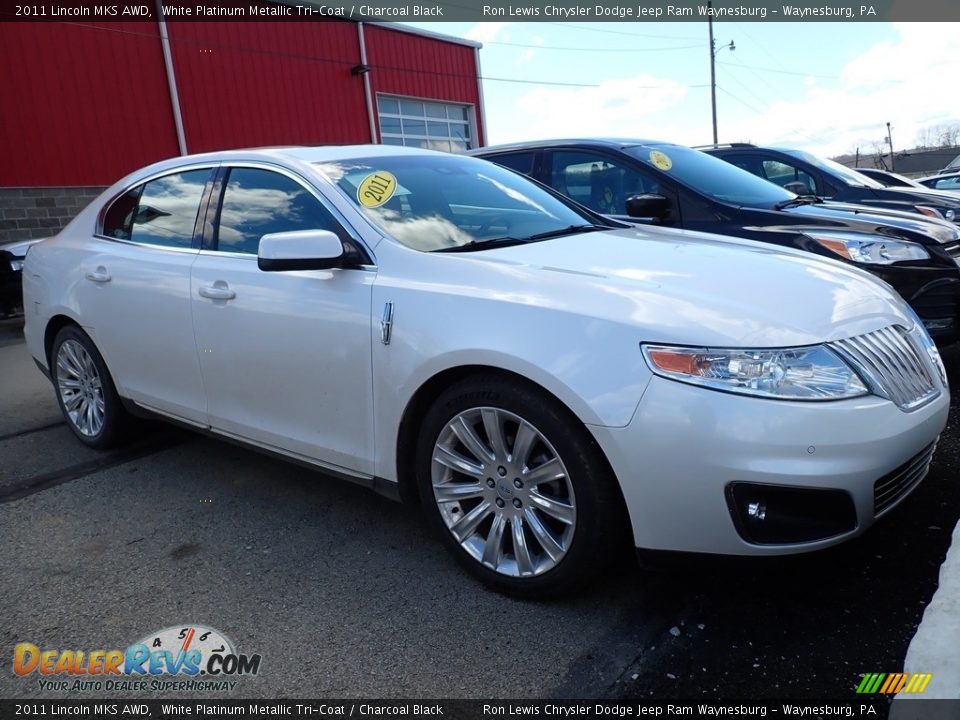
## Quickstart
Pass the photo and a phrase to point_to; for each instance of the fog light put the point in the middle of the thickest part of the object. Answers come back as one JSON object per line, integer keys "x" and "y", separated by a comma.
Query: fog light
{"x": 784, "y": 515}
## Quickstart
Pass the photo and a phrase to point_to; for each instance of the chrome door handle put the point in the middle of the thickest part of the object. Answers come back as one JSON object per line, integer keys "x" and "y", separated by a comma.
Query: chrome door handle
{"x": 217, "y": 292}
{"x": 100, "y": 275}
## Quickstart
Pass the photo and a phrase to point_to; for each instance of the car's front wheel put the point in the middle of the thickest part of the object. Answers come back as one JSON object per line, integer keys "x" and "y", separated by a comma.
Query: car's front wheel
{"x": 85, "y": 390}
{"x": 517, "y": 488}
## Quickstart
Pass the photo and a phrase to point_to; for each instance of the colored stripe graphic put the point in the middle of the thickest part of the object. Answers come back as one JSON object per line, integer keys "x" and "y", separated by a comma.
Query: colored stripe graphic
{"x": 894, "y": 683}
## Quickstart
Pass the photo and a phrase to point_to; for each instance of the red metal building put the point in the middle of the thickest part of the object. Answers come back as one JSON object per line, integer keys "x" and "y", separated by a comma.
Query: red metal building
{"x": 86, "y": 102}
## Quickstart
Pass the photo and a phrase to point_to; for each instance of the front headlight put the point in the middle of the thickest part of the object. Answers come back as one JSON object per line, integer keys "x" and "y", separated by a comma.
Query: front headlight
{"x": 929, "y": 211}
{"x": 872, "y": 250}
{"x": 16, "y": 264}
{"x": 805, "y": 373}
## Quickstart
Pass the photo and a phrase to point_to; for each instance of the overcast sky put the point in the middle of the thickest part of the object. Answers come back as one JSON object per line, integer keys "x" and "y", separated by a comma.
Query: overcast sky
{"x": 824, "y": 87}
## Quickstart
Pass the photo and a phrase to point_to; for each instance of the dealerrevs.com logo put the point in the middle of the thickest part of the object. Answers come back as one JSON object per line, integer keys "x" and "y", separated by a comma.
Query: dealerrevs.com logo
{"x": 188, "y": 657}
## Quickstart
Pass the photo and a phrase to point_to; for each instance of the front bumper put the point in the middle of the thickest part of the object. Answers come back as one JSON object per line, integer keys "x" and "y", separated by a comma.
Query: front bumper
{"x": 686, "y": 446}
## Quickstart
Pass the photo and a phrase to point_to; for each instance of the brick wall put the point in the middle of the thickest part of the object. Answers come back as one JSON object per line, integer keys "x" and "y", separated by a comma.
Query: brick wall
{"x": 40, "y": 212}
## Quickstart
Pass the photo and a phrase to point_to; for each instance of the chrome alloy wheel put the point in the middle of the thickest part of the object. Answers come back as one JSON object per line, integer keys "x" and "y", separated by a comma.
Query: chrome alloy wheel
{"x": 80, "y": 388}
{"x": 503, "y": 492}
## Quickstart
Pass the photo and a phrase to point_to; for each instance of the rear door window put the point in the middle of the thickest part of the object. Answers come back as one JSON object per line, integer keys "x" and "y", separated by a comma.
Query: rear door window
{"x": 161, "y": 212}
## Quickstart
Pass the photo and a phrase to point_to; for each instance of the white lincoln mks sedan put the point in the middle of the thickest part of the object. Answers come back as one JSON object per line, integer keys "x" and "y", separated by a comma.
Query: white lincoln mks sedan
{"x": 546, "y": 383}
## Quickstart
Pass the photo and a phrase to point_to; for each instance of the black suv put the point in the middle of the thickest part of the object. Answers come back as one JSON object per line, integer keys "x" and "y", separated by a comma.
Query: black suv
{"x": 642, "y": 181}
{"x": 807, "y": 174}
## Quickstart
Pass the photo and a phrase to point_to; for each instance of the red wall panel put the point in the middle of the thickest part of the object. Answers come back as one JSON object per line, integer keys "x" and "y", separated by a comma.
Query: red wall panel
{"x": 82, "y": 103}
{"x": 246, "y": 84}
{"x": 406, "y": 64}
{"x": 85, "y": 103}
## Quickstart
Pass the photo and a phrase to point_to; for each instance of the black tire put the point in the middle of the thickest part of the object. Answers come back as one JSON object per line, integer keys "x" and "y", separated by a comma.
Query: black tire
{"x": 592, "y": 537}
{"x": 116, "y": 422}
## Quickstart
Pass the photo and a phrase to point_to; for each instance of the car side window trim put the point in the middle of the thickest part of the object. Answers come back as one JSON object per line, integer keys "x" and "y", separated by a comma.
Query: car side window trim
{"x": 344, "y": 230}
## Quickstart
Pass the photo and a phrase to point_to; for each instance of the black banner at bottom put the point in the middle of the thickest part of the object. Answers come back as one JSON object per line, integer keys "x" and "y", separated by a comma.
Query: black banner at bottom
{"x": 362, "y": 709}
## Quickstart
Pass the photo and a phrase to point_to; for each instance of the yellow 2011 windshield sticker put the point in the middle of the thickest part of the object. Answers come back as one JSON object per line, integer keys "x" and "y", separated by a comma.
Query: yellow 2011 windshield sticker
{"x": 376, "y": 189}
{"x": 660, "y": 160}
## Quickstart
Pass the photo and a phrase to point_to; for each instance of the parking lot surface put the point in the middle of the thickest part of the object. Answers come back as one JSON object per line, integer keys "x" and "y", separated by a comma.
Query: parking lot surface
{"x": 344, "y": 593}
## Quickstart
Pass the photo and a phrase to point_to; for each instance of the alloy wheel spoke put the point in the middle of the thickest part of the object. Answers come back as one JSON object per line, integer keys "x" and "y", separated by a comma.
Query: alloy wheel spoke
{"x": 554, "y": 507}
{"x": 88, "y": 418}
{"x": 467, "y": 525}
{"x": 455, "y": 461}
{"x": 493, "y": 425}
{"x": 73, "y": 358}
{"x": 520, "y": 550}
{"x": 468, "y": 436}
{"x": 493, "y": 547}
{"x": 552, "y": 469}
{"x": 72, "y": 400}
{"x": 550, "y": 546}
{"x": 65, "y": 366}
{"x": 522, "y": 444}
{"x": 455, "y": 492}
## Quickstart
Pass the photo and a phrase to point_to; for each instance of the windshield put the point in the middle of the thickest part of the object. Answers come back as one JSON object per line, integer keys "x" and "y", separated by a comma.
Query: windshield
{"x": 842, "y": 172}
{"x": 437, "y": 202}
{"x": 711, "y": 176}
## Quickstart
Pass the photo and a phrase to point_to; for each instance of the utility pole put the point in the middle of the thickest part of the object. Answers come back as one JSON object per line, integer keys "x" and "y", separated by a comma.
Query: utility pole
{"x": 890, "y": 142}
{"x": 713, "y": 70}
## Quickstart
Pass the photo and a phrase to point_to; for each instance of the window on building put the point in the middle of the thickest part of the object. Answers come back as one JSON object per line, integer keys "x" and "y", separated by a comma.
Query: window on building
{"x": 425, "y": 124}
{"x": 258, "y": 202}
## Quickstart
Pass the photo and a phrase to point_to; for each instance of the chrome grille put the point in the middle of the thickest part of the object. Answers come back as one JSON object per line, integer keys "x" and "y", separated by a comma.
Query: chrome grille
{"x": 953, "y": 251}
{"x": 891, "y": 365}
{"x": 891, "y": 488}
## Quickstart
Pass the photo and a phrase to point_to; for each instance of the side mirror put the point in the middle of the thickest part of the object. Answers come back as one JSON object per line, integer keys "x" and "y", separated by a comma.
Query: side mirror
{"x": 798, "y": 187}
{"x": 300, "y": 250}
{"x": 645, "y": 206}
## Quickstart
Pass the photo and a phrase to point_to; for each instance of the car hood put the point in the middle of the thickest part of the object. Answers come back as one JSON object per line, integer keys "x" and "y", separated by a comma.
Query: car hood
{"x": 695, "y": 288}
{"x": 917, "y": 197}
{"x": 864, "y": 218}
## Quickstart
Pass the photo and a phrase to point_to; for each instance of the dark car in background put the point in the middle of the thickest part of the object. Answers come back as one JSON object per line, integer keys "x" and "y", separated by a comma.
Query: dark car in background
{"x": 807, "y": 174}
{"x": 889, "y": 179}
{"x": 11, "y": 273}
{"x": 643, "y": 181}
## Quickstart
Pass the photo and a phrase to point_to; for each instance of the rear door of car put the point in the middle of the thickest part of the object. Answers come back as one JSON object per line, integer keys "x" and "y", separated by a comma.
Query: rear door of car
{"x": 286, "y": 356}
{"x": 134, "y": 291}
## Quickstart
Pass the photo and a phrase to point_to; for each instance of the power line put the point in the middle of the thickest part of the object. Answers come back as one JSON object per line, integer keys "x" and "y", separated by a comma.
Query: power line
{"x": 748, "y": 90}
{"x": 328, "y": 60}
{"x": 587, "y": 28}
{"x": 760, "y": 112}
{"x": 583, "y": 49}
{"x": 782, "y": 72}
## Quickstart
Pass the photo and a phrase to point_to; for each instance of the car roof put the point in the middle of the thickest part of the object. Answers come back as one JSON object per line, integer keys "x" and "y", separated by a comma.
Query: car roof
{"x": 605, "y": 142}
{"x": 283, "y": 154}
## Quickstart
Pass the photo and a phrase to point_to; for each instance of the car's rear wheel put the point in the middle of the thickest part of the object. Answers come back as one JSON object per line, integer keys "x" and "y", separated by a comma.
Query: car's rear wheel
{"x": 85, "y": 391}
{"x": 517, "y": 488}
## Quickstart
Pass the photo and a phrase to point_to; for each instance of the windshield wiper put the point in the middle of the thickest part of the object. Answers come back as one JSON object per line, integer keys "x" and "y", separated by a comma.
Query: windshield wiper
{"x": 482, "y": 244}
{"x": 798, "y": 200}
{"x": 508, "y": 241}
{"x": 569, "y": 230}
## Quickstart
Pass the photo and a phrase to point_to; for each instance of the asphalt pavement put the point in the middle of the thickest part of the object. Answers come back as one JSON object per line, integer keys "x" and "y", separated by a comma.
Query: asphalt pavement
{"x": 344, "y": 593}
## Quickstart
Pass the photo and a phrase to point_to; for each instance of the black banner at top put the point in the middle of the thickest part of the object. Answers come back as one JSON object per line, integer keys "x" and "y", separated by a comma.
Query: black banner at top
{"x": 803, "y": 11}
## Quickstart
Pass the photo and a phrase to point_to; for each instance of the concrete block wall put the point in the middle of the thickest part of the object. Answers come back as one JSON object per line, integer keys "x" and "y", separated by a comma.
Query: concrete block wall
{"x": 40, "y": 212}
